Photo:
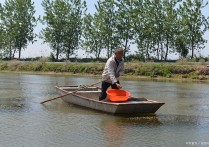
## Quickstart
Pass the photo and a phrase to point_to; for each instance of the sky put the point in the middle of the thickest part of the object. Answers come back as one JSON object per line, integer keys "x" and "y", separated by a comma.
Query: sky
{"x": 39, "y": 48}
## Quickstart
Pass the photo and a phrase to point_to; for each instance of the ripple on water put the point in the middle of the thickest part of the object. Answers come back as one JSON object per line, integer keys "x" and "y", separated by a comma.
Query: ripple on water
{"x": 24, "y": 122}
{"x": 9, "y": 105}
{"x": 158, "y": 130}
{"x": 200, "y": 107}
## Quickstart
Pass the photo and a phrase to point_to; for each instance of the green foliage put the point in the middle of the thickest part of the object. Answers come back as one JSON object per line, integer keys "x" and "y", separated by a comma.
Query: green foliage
{"x": 93, "y": 40}
{"x": 123, "y": 24}
{"x": 106, "y": 15}
{"x": 52, "y": 58}
{"x": 193, "y": 24}
{"x": 3, "y": 65}
{"x": 64, "y": 25}
{"x": 181, "y": 46}
{"x": 18, "y": 22}
{"x": 150, "y": 70}
{"x": 157, "y": 27}
{"x": 193, "y": 75}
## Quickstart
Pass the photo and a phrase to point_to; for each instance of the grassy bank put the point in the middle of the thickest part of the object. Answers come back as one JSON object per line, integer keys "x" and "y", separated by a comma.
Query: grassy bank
{"x": 149, "y": 70}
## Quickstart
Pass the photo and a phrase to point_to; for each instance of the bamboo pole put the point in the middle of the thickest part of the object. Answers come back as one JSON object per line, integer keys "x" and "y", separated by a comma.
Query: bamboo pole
{"x": 69, "y": 93}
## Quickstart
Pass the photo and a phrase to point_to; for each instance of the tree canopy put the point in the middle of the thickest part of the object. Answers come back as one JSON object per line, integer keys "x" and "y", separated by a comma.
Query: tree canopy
{"x": 157, "y": 28}
{"x": 17, "y": 25}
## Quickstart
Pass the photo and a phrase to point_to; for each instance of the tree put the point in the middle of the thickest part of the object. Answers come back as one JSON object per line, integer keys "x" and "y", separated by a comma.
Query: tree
{"x": 93, "y": 41}
{"x": 123, "y": 24}
{"x": 181, "y": 46}
{"x": 194, "y": 23}
{"x": 107, "y": 14}
{"x": 73, "y": 29}
{"x": 56, "y": 20}
{"x": 7, "y": 33}
{"x": 1, "y": 31}
{"x": 170, "y": 25}
{"x": 2, "y": 41}
{"x": 141, "y": 23}
{"x": 63, "y": 31}
{"x": 19, "y": 22}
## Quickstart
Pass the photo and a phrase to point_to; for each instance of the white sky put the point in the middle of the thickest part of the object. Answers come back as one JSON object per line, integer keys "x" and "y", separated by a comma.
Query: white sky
{"x": 40, "y": 49}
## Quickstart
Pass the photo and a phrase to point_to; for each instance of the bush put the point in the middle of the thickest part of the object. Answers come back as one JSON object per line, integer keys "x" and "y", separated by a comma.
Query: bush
{"x": 13, "y": 65}
{"x": 193, "y": 75}
{"x": 3, "y": 66}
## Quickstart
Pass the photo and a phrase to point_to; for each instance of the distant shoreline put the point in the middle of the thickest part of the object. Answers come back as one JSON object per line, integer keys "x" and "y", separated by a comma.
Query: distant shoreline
{"x": 146, "y": 71}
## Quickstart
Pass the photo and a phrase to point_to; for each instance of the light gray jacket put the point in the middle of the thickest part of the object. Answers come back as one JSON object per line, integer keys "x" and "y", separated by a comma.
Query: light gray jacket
{"x": 111, "y": 72}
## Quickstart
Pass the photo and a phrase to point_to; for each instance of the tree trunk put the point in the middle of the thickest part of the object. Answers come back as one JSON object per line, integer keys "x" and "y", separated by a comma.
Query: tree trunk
{"x": 13, "y": 56}
{"x": 57, "y": 54}
{"x": 19, "y": 53}
{"x": 10, "y": 52}
{"x": 125, "y": 49}
{"x": 167, "y": 47}
{"x": 192, "y": 47}
{"x": 97, "y": 52}
{"x": 158, "y": 55}
{"x": 108, "y": 51}
{"x": 68, "y": 55}
{"x": 162, "y": 52}
{"x": 147, "y": 51}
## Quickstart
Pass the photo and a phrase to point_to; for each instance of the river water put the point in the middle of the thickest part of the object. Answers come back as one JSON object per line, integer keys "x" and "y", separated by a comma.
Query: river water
{"x": 182, "y": 121}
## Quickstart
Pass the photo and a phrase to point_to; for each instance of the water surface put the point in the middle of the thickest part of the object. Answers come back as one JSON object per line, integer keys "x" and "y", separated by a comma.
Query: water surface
{"x": 183, "y": 120}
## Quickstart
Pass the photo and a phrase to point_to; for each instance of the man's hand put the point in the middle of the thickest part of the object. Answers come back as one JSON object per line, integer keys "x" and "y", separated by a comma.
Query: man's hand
{"x": 118, "y": 86}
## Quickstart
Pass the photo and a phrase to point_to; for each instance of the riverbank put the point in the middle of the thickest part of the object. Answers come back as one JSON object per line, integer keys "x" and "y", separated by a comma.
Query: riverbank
{"x": 164, "y": 71}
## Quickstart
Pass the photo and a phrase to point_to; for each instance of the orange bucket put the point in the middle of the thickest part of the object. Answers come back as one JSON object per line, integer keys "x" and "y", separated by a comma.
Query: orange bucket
{"x": 117, "y": 95}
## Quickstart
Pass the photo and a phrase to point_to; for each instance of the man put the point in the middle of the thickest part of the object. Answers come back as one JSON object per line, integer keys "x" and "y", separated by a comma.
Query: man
{"x": 113, "y": 69}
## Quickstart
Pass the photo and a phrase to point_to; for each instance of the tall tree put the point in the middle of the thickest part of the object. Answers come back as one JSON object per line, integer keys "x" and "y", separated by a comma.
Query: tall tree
{"x": 142, "y": 22}
{"x": 8, "y": 34}
{"x": 170, "y": 24}
{"x": 107, "y": 12}
{"x": 73, "y": 28}
{"x": 63, "y": 31}
{"x": 123, "y": 24}
{"x": 194, "y": 23}
{"x": 56, "y": 20}
{"x": 2, "y": 41}
{"x": 1, "y": 31}
{"x": 19, "y": 21}
{"x": 93, "y": 40}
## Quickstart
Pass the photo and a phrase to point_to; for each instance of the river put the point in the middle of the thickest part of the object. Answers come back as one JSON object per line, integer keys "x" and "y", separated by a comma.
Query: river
{"x": 182, "y": 121}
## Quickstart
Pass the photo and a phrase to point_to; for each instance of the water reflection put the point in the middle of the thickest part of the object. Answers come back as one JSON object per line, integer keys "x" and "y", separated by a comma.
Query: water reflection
{"x": 114, "y": 133}
{"x": 153, "y": 130}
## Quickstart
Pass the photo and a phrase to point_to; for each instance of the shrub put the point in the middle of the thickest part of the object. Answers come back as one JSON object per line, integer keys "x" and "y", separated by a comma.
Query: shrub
{"x": 3, "y": 66}
{"x": 13, "y": 65}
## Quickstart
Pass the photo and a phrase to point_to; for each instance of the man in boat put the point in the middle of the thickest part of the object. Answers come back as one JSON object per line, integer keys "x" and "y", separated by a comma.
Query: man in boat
{"x": 114, "y": 68}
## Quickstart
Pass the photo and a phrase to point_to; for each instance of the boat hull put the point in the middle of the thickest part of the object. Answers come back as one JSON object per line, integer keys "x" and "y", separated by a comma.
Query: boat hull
{"x": 89, "y": 99}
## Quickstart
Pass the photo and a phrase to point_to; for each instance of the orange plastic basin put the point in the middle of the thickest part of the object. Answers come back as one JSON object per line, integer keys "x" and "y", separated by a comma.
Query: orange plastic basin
{"x": 117, "y": 95}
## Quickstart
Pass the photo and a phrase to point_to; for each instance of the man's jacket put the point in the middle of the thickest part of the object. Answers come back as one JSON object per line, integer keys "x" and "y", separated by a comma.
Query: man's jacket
{"x": 111, "y": 71}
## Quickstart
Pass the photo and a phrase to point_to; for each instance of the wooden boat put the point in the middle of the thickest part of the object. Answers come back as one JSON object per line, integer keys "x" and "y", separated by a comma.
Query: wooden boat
{"x": 88, "y": 97}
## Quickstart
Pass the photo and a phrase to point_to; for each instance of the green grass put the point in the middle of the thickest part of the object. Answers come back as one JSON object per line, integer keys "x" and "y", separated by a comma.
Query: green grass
{"x": 131, "y": 69}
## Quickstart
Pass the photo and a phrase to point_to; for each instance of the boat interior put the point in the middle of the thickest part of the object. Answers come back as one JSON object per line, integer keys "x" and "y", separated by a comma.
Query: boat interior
{"x": 93, "y": 93}
{"x": 74, "y": 88}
